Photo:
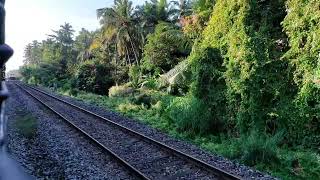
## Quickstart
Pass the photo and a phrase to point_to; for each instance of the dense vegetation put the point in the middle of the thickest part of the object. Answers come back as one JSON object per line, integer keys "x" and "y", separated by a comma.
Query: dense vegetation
{"x": 239, "y": 78}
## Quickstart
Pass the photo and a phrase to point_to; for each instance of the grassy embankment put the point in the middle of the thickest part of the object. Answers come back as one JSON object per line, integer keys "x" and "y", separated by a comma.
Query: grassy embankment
{"x": 289, "y": 163}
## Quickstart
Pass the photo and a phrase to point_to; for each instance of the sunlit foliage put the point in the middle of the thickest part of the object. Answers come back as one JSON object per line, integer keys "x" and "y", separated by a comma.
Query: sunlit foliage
{"x": 239, "y": 77}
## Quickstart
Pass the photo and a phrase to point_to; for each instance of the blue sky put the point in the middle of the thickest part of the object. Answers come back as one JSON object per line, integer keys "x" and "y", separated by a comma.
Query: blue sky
{"x": 29, "y": 20}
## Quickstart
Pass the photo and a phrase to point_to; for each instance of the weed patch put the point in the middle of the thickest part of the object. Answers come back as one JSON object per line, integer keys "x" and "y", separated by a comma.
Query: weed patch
{"x": 26, "y": 125}
{"x": 258, "y": 151}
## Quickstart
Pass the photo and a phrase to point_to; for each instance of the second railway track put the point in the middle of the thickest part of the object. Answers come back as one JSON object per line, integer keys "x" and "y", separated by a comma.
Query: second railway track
{"x": 144, "y": 156}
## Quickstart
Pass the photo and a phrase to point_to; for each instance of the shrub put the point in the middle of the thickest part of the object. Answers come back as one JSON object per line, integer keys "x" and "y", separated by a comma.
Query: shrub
{"x": 120, "y": 74}
{"x": 120, "y": 91}
{"x": 142, "y": 99}
{"x": 32, "y": 80}
{"x": 302, "y": 25}
{"x": 165, "y": 48}
{"x": 304, "y": 165}
{"x": 94, "y": 77}
{"x": 73, "y": 92}
{"x": 44, "y": 73}
{"x": 150, "y": 83}
{"x": 193, "y": 115}
{"x": 208, "y": 82}
{"x": 128, "y": 107}
{"x": 236, "y": 66}
{"x": 257, "y": 148}
{"x": 158, "y": 107}
{"x": 27, "y": 73}
{"x": 26, "y": 125}
{"x": 134, "y": 75}
{"x": 65, "y": 85}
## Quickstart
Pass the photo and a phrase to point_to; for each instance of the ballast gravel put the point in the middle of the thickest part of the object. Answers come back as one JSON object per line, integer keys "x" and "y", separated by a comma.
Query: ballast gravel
{"x": 56, "y": 151}
{"x": 216, "y": 160}
{"x": 153, "y": 161}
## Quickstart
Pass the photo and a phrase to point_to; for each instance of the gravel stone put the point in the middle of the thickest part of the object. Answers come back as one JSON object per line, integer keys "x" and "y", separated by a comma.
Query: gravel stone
{"x": 153, "y": 161}
{"x": 233, "y": 167}
{"x": 75, "y": 145}
{"x": 57, "y": 151}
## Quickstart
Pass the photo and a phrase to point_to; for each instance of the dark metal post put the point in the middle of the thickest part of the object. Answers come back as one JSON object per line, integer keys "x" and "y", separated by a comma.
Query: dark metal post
{"x": 5, "y": 51}
{"x": 9, "y": 169}
{"x": 2, "y": 34}
{"x": 2, "y": 22}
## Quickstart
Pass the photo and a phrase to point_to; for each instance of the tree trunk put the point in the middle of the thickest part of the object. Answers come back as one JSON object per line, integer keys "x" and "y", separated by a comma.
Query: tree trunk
{"x": 133, "y": 48}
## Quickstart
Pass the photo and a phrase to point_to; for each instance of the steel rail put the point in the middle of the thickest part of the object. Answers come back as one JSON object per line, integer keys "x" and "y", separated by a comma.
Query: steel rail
{"x": 221, "y": 174}
{"x": 132, "y": 169}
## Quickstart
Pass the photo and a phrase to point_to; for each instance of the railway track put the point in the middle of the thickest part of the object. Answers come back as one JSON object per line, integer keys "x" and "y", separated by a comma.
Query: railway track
{"x": 143, "y": 156}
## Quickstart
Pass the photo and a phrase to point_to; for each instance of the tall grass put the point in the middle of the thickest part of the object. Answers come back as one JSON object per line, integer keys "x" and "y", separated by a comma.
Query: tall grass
{"x": 26, "y": 125}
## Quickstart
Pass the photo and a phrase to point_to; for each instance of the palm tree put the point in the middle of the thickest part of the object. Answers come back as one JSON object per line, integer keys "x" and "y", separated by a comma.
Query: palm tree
{"x": 118, "y": 26}
{"x": 152, "y": 13}
{"x": 64, "y": 35}
{"x": 82, "y": 44}
{"x": 32, "y": 53}
{"x": 64, "y": 39}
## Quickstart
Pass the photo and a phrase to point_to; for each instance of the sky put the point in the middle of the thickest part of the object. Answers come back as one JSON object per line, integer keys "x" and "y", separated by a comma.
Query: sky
{"x": 29, "y": 20}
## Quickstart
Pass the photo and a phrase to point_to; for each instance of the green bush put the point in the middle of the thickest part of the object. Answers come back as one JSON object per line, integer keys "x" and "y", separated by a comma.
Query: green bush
{"x": 120, "y": 91}
{"x": 128, "y": 108}
{"x": 302, "y": 26}
{"x": 134, "y": 75}
{"x": 158, "y": 107}
{"x": 73, "y": 92}
{"x": 94, "y": 77}
{"x": 150, "y": 83}
{"x": 302, "y": 165}
{"x": 237, "y": 66}
{"x": 26, "y": 125}
{"x": 45, "y": 73}
{"x": 27, "y": 73}
{"x": 142, "y": 99}
{"x": 193, "y": 115}
{"x": 257, "y": 148}
{"x": 65, "y": 85}
{"x": 208, "y": 82}
{"x": 165, "y": 48}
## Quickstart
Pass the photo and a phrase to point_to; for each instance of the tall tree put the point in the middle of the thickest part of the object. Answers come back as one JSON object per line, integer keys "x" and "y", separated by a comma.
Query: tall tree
{"x": 82, "y": 44}
{"x": 32, "y": 53}
{"x": 155, "y": 11}
{"x": 118, "y": 26}
{"x": 64, "y": 39}
{"x": 64, "y": 36}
